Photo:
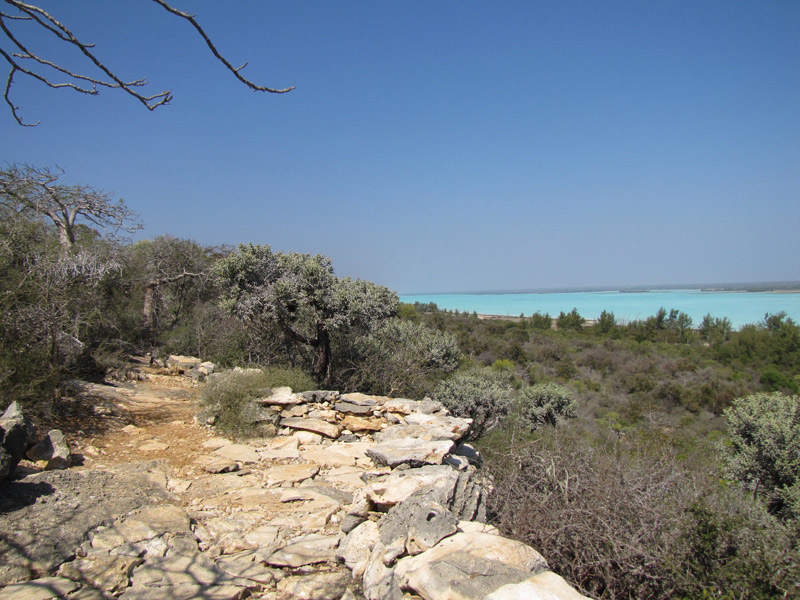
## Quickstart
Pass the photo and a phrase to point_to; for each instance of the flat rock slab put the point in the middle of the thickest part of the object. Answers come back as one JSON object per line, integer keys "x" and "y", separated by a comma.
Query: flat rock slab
{"x": 289, "y": 474}
{"x": 354, "y": 409}
{"x": 363, "y": 399}
{"x": 410, "y": 451}
{"x": 319, "y": 586}
{"x": 238, "y": 452}
{"x": 307, "y": 550}
{"x": 354, "y": 423}
{"x": 45, "y": 516}
{"x": 329, "y": 457}
{"x": 39, "y": 589}
{"x": 187, "y": 591}
{"x": 313, "y": 425}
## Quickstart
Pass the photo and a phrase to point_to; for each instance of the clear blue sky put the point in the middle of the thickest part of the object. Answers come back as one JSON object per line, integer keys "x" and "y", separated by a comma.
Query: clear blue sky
{"x": 454, "y": 145}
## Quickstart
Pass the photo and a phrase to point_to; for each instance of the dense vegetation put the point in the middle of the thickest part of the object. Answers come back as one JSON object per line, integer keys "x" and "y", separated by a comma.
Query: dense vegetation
{"x": 653, "y": 459}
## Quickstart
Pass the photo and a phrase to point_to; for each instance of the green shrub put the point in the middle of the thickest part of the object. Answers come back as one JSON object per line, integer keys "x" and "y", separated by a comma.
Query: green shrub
{"x": 546, "y": 404}
{"x": 764, "y": 448}
{"x": 482, "y": 398}
{"x": 775, "y": 381}
{"x": 228, "y": 398}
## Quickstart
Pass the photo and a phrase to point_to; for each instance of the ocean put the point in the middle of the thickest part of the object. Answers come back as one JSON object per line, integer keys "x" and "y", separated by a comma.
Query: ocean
{"x": 740, "y": 307}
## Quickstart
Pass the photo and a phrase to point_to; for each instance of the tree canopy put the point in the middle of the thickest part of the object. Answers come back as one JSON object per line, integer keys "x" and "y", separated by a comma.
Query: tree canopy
{"x": 301, "y": 295}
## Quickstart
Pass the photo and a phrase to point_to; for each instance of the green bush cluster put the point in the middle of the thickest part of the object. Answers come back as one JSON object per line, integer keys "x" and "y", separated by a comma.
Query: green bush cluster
{"x": 481, "y": 397}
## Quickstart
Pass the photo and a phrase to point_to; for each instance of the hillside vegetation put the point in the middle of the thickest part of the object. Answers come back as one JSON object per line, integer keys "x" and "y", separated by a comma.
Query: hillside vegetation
{"x": 654, "y": 459}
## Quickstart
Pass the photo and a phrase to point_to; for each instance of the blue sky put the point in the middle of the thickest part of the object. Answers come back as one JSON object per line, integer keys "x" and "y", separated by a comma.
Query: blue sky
{"x": 454, "y": 145}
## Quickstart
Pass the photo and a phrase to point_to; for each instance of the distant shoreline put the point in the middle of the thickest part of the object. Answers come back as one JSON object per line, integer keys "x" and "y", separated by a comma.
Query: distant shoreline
{"x": 775, "y": 287}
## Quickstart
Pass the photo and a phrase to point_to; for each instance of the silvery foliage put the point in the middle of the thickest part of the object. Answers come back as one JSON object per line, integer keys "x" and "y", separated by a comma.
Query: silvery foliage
{"x": 763, "y": 451}
{"x": 399, "y": 356}
{"x": 547, "y": 404}
{"x": 299, "y": 290}
{"x": 475, "y": 396}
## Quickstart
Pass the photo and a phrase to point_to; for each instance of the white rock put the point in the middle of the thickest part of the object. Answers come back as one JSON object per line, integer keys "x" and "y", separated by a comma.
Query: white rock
{"x": 544, "y": 586}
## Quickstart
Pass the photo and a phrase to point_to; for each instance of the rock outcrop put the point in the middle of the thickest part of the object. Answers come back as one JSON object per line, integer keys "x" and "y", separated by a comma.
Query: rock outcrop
{"x": 357, "y": 497}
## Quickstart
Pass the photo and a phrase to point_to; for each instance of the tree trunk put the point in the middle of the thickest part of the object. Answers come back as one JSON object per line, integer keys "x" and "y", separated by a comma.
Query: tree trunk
{"x": 322, "y": 370}
{"x": 148, "y": 311}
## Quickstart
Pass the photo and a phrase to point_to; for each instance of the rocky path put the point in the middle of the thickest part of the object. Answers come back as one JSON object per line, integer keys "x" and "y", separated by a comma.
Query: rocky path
{"x": 359, "y": 497}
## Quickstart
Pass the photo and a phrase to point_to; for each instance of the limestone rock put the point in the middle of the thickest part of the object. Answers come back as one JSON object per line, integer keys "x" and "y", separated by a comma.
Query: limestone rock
{"x": 306, "y": 438}
{"x": 362, "y": 399}
{"x": 39, "y": 589}
{"x": 320, "y": 396}
{"x": 409, "y": 451}
{"x": 357, "y": 424}
{"x": 53, "y": 450}
{"x": 456, "y": 428}
{"x": 17, "y": 435}
{"x": 468, "y": 565}
{"x": 181, "y": 364}
{"x": 241, "y": 453}
{"x": 110, "y": 573}
{"x": 290, "y": 474}
{"x": 357, "y": 546}
{"x": 352, "y": 408}
{"x": 543, "y": 586}
{"x": 314, "y": 425}
{"x": 306, "y": 550}
{"x": 282, "y": 396}
{"x": 318, "y": 586}
{"x": 391, "y": 489}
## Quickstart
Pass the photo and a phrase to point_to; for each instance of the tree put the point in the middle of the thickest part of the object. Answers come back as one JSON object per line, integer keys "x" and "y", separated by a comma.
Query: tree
{"x": 571, "y": 320}
{"x": 35, "y": 191}
{"x": 301, "y": 295}
{"x": 171, "y": 263}
{"x": 764, "y": 449}
{"x": 606, "y": 322}
{"x": 52, "y": 72}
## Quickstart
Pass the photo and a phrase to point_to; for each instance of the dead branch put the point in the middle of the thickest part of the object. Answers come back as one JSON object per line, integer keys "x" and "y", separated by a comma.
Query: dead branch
{"x": 21, "y": 59}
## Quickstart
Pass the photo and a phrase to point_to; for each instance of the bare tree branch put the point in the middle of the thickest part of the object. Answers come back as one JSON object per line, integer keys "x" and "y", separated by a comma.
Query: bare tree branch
{"x": 23, "y": 60}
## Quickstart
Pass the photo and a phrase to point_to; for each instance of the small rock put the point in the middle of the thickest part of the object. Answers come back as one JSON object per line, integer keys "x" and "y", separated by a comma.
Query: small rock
{"x": 319, "y": 586}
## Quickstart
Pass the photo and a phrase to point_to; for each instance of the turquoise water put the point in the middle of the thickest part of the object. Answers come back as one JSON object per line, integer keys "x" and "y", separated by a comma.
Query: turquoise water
{"x": 740, "y": 307}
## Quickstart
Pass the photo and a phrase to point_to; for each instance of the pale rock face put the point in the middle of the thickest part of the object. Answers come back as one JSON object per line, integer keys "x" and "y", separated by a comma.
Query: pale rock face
{"x": 357, "y": 546}
{"x": 389, "y": 490}
{"x": 290, "y": 474}
{"x": 451, "y": 568}
{"x": 306, "y": 550}
{"x": 543, "y": 586}
{"x": 410, "y": 451}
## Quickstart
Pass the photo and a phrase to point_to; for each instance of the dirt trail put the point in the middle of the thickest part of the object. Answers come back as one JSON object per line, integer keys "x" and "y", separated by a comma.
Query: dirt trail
{"x": 141, "y": 420}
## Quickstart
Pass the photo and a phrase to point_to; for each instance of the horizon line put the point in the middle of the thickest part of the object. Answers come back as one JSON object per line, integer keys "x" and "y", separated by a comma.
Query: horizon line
{"x": 732, "y": 287}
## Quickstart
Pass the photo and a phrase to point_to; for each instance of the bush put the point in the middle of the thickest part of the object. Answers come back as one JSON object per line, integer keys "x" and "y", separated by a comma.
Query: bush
{"x": 570, "y": 321}
{"x": 635, "y": 523}
{"x": 546, "y": 404}
{"x": 228, "y": 398}
{"x": 764, "y": 449}
{"x": 482, "y": 398}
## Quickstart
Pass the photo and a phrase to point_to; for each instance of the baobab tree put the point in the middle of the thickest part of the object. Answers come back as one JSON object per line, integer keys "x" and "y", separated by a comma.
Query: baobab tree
{"x": 36, "y": 190}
